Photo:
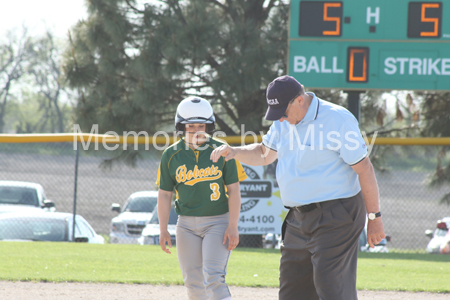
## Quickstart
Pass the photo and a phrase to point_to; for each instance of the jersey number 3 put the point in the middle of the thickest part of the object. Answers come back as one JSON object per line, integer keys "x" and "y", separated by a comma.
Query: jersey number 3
{"x": 215, "y": 191}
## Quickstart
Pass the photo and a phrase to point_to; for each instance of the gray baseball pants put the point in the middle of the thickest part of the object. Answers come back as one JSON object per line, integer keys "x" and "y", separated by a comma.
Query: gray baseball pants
{"x": 202, "y": 256}
{"x": 320, "y": 250}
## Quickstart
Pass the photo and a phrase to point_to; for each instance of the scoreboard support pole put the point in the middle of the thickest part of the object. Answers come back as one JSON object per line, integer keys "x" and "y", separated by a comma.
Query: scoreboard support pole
{"x": 354, "y": 105}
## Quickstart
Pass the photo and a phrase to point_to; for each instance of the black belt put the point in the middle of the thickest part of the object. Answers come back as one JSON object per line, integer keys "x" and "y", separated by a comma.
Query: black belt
{"x": 310, "y": 207}
{"x": 305, "y": 208}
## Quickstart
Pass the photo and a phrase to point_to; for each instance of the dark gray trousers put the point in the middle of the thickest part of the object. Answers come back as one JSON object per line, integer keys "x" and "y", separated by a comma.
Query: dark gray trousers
{"x": 320, "y": 250}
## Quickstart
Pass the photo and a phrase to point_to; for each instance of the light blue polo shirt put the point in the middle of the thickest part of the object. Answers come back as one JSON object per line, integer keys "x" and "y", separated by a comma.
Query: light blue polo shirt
{"x": 315, "y": 156}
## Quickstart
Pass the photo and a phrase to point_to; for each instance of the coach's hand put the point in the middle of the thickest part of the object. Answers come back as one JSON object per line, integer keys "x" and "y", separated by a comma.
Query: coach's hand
{"x": 225, "y": 151}
{"x": 375, "y": 232}
{"x": 164, "y": 238}
{"x": 232, "y": 234}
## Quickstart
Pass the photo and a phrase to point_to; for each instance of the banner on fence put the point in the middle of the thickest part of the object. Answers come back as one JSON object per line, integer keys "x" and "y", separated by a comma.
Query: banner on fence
{"x": 261, "y": 208}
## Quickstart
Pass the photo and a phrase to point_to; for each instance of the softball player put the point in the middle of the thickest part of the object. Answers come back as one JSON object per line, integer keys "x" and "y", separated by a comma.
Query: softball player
{"x": 207, "y": 201}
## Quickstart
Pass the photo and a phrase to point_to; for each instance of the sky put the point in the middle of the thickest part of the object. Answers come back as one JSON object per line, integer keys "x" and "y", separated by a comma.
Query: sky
{"x": 57, "y": 15}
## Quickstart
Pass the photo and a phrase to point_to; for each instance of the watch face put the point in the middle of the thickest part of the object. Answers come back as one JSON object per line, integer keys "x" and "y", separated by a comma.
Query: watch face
{"x": 371, "y": 216}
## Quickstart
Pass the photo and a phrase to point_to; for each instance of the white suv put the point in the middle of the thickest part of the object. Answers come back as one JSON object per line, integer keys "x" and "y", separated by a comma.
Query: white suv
{"x": 127, "y": 227}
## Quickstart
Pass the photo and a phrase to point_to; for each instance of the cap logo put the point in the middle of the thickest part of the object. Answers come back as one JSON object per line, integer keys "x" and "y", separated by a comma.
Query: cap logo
{"x": 273, "y": 101}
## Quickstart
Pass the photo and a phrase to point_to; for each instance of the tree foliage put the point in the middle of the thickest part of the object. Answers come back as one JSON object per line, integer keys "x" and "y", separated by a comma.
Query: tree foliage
{"x": 30, "y": 84}
{"x": 15, "y": 55}
{"x": 436, "y": 123}
{"x": 47, "y": 78}
{"x": 132, "y": 63}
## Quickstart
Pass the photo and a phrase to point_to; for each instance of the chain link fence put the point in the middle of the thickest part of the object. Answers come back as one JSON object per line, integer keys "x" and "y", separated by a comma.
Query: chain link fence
{"x": 408, "y": 204}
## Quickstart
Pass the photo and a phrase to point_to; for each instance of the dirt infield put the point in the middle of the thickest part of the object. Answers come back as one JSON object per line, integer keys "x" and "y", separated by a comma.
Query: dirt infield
{"x": 105, "y": 291}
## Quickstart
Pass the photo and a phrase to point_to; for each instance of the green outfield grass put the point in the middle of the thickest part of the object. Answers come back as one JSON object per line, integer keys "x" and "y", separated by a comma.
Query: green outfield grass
{"x": 61, "y": 262}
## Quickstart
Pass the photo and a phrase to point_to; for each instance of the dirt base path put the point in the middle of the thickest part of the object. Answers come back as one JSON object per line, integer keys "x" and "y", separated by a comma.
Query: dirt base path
{"x": 104, "y": 291}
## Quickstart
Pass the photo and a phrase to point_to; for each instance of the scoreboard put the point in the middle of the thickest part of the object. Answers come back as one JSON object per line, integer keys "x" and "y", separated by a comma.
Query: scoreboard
{"x": 370, "y": 44}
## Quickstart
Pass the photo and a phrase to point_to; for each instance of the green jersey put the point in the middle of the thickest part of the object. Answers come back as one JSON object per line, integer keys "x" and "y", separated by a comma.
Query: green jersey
{"x": 200, "y": 184}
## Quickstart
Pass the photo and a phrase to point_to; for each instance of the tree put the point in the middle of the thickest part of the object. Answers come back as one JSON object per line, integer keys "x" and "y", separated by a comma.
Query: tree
{"x": 31, "y": 89}
{"x": 15, "y": 53}
{"x": 46, "y": 72}
{"x": 436, "y": 119}
{"x": 133, "y": 63}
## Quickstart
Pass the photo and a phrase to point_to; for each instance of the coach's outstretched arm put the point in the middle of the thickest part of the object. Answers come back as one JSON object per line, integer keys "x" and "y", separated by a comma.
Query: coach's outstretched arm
{"x": 254, "y": 154}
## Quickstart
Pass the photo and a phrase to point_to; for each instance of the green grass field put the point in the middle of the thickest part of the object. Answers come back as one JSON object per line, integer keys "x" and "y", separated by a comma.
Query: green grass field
{"x": 61, "y": 262}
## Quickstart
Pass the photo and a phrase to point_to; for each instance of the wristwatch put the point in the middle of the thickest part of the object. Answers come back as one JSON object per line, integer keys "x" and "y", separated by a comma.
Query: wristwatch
{"x": 373, "y": 216}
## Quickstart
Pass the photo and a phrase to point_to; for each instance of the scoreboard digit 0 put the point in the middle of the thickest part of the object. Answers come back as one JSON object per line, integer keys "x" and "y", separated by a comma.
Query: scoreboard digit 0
{"x": 357, "y": 64}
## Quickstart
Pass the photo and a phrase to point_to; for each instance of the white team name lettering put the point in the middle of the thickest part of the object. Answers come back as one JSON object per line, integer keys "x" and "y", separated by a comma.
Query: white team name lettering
{"x": 273, "y": 101}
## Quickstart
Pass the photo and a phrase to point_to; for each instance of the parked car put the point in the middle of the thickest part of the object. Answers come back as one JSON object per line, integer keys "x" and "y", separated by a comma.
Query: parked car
{"x": 150, "y": 234}
{"x": 21, "y": 195}
{"x": 440, "y": 238}
{"x": 127, "y": 227}
{"x": 46, "y": 226}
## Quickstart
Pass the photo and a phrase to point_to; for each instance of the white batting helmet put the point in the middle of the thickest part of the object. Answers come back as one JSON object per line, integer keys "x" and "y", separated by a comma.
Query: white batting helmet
{"x": 195, "y": 110}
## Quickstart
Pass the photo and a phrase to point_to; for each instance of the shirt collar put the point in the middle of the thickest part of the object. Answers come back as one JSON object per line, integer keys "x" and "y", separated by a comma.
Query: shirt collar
{"x": 313, "y": 109}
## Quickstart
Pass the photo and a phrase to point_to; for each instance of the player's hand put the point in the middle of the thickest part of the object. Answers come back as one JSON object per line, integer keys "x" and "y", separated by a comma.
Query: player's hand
{"x": 232, "y": 234}
{"x": 225, "y": 151}
{"x": 164, "y": 238}
{"x": 375, "y": 232}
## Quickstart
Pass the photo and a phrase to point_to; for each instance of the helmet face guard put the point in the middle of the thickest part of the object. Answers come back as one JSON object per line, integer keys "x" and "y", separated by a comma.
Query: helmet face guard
{"x": 194, "y": 110}
{"x": 181, "y": 127}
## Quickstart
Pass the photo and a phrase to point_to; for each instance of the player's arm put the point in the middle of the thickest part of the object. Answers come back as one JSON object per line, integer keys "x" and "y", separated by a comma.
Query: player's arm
{"x": 254, "y": 154}
{"x": 369, "y": 189}
{"x": 234, "y": 207}
{"x": 164, "y": 203}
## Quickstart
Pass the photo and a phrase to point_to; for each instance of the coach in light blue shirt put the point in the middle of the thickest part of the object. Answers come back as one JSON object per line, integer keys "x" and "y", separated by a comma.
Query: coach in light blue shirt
{"x": 328, "y": 183}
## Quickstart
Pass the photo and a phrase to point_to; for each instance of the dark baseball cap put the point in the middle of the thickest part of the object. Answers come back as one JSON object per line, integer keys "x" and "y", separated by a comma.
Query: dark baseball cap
{"x": 278, "y": 94}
